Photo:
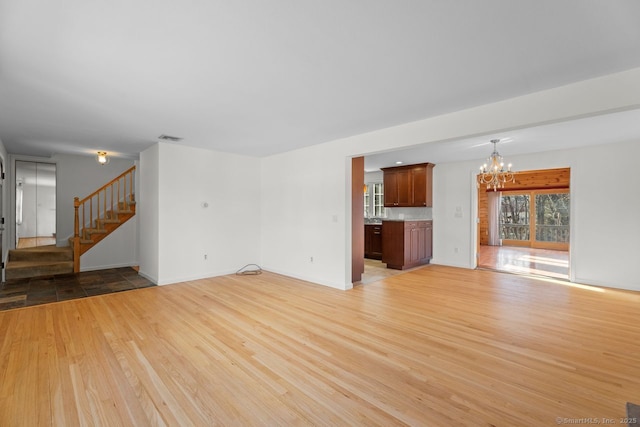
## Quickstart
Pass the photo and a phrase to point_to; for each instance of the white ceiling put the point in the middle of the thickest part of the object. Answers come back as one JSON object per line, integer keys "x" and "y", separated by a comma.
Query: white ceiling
{"x": 258, "y": 78}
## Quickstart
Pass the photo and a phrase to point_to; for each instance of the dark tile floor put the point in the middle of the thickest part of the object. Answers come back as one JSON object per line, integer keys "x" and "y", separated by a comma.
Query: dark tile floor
{"x": 18, "y": 293}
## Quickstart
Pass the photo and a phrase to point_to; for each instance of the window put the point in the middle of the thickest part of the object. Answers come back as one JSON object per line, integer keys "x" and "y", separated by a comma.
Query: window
{"x": 366, "y": 201}
{"x": 538, "y": 218}
{"x": 514, "y": 217}
{"x": 378, "y": 199}
{"x": 374, "y": 200}
{"x": 552, "y": 217}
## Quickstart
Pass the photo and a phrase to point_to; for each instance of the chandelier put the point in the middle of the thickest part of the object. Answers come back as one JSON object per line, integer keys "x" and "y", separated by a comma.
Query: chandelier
{"x": 492, "y": 173}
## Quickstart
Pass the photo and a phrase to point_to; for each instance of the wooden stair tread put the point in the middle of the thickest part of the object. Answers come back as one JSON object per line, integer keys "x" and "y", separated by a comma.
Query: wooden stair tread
{"x": 43, "y": 253}
{"x": 21, "y": 264}
{"x": 25, "y": 269}
{"x": 108, "y": 220}
{"x": 95, "y": 230}
{"x": 45, "y": 248}
{"x": 82, "y": 241}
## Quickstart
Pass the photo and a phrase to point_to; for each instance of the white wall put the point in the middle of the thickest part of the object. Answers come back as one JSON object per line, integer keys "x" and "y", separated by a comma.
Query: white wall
{"x": 227, "y": 231}
{"x": 605, "y": 248}
{"x": 148, "y": 213}
{"x": 303, "y": 191}
{"x": 80, "y": 176}
{"x": 304, "y": 215}
{"x": 118, "y": 249}
{"x": 453, "y": 184}
{"x": 370, "y": 177}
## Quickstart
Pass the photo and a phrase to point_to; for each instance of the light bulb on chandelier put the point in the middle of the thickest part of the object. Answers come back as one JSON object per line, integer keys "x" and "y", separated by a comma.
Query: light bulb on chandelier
{"x": 493, "y": 174}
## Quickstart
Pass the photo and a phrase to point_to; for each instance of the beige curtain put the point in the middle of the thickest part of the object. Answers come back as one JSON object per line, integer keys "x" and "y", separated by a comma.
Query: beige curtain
{"x": 494, "y": 218}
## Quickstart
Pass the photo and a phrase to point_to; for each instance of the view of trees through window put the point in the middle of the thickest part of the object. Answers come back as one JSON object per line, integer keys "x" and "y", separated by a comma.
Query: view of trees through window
{"x": 541, "y": 216}
{"x": 552, "y": 217}
{"x": 514, "y": 217}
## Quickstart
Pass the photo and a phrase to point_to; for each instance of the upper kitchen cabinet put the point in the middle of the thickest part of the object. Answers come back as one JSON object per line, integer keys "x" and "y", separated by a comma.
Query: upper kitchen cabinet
{"x": 422, "y": 179}
{"x": 397, "y": 187}
{"x": 408, "y": 186}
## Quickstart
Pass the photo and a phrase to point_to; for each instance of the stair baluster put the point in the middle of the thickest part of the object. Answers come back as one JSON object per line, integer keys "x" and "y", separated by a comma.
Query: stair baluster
{"x": 88, "y": 233}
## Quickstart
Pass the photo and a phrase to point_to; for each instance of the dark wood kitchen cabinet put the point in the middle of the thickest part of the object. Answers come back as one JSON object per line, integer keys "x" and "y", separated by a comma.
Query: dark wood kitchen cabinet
{"x": 397, "y": 187}
{"x": 373, "y": 241}
{"x": 408, "y": 186}
{"x": 407, "y": 243}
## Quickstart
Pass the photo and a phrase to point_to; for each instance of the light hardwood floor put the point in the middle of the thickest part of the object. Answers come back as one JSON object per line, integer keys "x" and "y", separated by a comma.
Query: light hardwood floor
{"x": 523, "y": 260}
{"x": 375, "y": 270}
{"x": 436, "y": 346}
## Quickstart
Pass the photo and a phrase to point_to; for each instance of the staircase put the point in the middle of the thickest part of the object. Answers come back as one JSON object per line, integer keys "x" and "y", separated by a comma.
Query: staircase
{"x": 96, "y": 216}
{"x": 101, "y": 213}
{"x": 39, "y": 261}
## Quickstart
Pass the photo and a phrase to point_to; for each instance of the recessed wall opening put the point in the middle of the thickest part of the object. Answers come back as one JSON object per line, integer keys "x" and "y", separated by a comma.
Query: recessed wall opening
{"x": 525, "y": 227}
{"x": 35, "y": 204}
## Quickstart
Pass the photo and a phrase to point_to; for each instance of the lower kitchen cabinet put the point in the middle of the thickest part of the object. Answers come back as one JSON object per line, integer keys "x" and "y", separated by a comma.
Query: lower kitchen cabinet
{"x": 373, "y": 241}
{"x": 407, "y": 243}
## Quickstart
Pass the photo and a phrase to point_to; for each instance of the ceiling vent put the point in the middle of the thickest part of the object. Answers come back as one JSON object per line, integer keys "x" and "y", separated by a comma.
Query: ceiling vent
{"x": 164, "y": 137}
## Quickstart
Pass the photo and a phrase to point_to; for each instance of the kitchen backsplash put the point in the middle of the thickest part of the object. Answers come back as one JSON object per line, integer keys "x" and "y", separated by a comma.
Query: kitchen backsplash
{"x": 408, "y": 213}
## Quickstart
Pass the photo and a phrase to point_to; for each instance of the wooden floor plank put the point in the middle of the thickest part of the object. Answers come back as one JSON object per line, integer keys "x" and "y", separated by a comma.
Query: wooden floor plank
{"x": 436, "y": 346}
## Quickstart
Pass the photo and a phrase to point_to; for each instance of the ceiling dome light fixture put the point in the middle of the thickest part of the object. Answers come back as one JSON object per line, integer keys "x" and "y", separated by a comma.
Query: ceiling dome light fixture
{"x": 102, "y": 158}
{"x": 492, "y": 173}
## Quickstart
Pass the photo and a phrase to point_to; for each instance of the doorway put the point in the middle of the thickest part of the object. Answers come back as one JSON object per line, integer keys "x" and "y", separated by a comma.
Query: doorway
{"x": 525, "y": 228}
{"x": 35, "y": 204}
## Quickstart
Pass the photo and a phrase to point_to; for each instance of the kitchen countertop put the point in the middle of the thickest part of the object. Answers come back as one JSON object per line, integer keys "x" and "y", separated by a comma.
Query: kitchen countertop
{"x": 381, "y": 220}
{"x": 408, "y": 219}
{"x": 372, "y": 221}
